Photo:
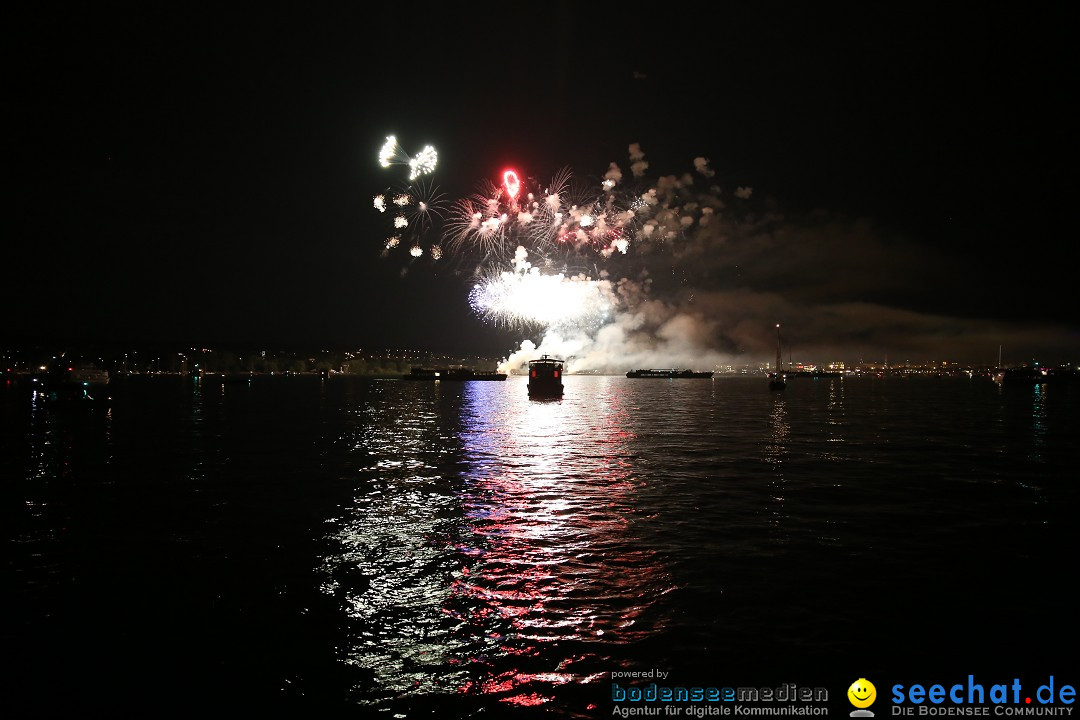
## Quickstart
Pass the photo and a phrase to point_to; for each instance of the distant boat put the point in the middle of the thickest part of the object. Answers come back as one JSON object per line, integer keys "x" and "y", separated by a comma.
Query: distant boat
{"x": 777, "y": 379}
{"x": 999, "y": 371}
{"x": 545, "y": 377}
{"x": 813, "y": 373}
{"x": 75, "y": 382}
{"x": 1037, "y": 375}
{"x": 671, "y": 374}
{"x": 429, "y": 374}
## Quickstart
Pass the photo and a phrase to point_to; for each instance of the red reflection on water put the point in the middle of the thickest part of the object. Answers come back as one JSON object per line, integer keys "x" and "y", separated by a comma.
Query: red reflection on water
{"x": 555, "y": 564}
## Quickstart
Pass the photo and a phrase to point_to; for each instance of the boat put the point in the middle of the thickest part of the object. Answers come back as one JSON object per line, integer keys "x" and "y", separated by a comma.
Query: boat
{"x": 813, "y": 374}
{"x": 998, "y": 374}
{"x": 67, "y": 382}
{"x": 421, "y": 373}
{"x": 1037, "y": 375}
{"x": 671, "y": 373}
{"x": 777, "y": 378}
{"x": 545, "y": 377}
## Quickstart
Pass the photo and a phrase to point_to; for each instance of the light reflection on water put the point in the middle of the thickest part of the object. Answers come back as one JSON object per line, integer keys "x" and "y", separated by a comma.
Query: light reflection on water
{"x": 776, "y": 454}
{"x": 1038, "y": 421}
{"x": 551, "y": 557}
{"x": 394, "y": 564}
{"x": 462, "y": 578}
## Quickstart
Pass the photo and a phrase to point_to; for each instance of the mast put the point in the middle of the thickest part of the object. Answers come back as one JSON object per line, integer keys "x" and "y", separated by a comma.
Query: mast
{"x": 779, "y": 358}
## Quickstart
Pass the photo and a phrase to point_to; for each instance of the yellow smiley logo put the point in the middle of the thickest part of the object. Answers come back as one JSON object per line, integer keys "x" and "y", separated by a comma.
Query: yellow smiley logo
{"x": 862, "y": 693}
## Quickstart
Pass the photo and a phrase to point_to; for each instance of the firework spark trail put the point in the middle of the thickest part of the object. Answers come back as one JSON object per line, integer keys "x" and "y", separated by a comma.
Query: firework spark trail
{"x": 566, "y": 219}
{"x": 391, "y": 153}
{"x": 418, "y": 208}
{"x": 561, "y": 219}
{"x": 425, "y": 207}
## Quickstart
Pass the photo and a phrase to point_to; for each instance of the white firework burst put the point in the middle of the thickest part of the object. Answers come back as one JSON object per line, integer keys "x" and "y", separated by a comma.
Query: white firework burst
{"x": 424, "y": 163}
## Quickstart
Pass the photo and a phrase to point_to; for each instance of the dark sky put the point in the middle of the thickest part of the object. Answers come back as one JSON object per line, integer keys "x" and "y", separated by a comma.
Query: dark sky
{"x": 204, "y": 173}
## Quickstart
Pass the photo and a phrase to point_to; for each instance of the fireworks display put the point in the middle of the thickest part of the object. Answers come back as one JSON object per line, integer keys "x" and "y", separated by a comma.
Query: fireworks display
{"x": 424, "y": 163}
{"x": 625, "y": 270}
{"x": 391, "y": 153}
{"x": 566, "y": 224}
{"x": 512, "y": 184}
{"x": 544, "y": 255}
{"x": 525, "y": 297}
{"x": 554, "y": 222}
{"x": 416, "y": 206}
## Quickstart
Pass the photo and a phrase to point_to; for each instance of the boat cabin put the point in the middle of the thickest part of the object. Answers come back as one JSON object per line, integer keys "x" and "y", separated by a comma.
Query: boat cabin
{"x": 545, "y": 377}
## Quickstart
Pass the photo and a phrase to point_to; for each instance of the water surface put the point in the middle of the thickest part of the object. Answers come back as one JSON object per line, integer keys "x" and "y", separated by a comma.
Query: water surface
{"x": 456, "y": 549}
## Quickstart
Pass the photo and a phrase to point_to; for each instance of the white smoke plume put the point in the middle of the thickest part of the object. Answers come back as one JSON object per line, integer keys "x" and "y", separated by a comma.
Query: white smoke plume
{"x": 701, "y": 286}
{"x": 701, "y": 164}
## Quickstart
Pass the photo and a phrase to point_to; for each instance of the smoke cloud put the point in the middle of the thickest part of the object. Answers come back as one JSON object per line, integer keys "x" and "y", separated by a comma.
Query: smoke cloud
{"x": 705, "y": 281}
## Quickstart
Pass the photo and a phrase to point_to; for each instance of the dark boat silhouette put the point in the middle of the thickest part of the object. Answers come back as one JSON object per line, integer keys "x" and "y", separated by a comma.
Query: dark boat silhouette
{"x": 74, "y": 382}
{"x": 420, "y": 373}
{"x": 545, "y": 377}
{"x": 1037, "y": 375}
{"x": 813, "y": 373}
{"x": 777, "y": 378}
{"x": 670, "y": 373}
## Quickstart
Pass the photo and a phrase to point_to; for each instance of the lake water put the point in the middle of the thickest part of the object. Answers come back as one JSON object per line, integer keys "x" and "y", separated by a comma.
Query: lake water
{"x": 413, "y": 549}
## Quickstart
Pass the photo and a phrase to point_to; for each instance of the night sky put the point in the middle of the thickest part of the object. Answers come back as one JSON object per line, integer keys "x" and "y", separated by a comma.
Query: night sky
{"x": 204, "y": 173}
